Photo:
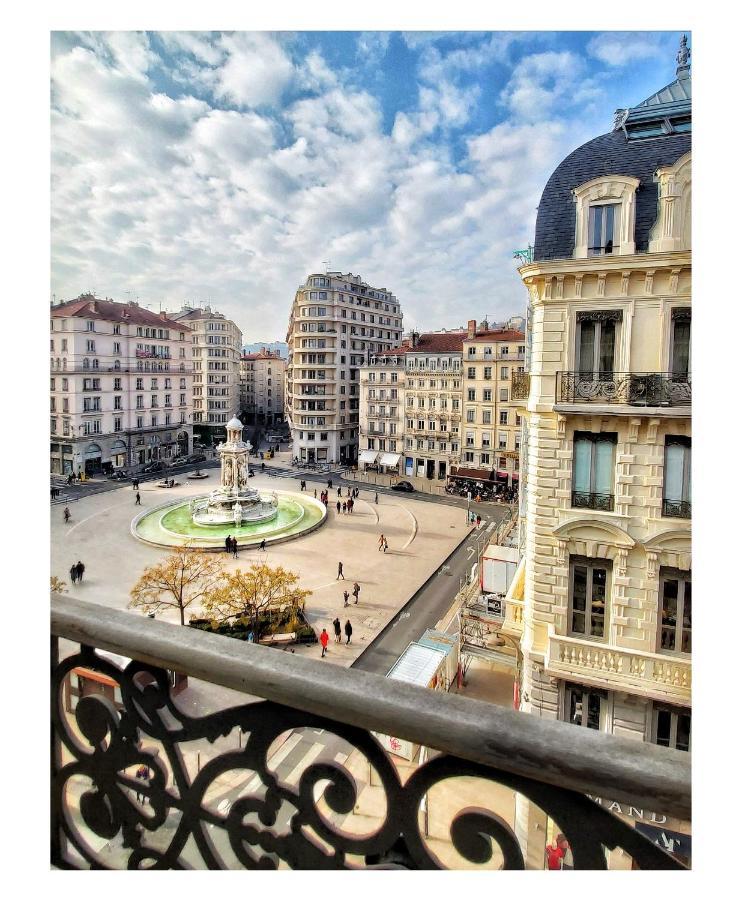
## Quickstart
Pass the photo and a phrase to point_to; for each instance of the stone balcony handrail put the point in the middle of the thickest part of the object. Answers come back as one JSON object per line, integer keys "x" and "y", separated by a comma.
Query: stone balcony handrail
{"x": 603, "y": 665}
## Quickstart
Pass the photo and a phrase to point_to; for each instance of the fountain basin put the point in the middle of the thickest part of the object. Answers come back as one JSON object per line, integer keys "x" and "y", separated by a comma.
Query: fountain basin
{"x": 171, "y": 524}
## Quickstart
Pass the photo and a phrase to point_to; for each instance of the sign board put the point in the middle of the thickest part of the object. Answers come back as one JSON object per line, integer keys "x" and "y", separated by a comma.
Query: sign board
{"x": 495, "y": 604}
{"x": 671, "y": 841}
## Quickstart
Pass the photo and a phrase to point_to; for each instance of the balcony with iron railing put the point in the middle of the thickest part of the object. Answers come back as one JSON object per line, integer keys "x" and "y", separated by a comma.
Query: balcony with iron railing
{"x": 652, "y": 390}
{"x": 234, "y": 811}
{"x": 676, "y": 509}
{"x": 592, "y": 500}
{"x": 520, "y": 386}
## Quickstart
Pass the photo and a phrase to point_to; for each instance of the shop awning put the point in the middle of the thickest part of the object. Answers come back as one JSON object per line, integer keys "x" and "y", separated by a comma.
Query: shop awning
{"x": 476, "y": 474}
{"x": 367, "y": 456}
{"x": 502, "y": 474}
{"x": 389, "y": 459}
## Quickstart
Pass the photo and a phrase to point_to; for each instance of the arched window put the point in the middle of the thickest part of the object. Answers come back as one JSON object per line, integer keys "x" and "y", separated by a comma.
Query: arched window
{"x": 605, "y": 214}
{"x": 117, "y": 364}
{"x": 85, "y": 363}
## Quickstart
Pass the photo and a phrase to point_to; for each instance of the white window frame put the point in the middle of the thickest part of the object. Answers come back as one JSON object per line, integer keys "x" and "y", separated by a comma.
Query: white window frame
{"x": 607, "y": 190}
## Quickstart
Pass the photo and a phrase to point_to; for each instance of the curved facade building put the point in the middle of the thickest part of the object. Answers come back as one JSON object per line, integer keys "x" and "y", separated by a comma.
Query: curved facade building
{"x": 336, "y": 321}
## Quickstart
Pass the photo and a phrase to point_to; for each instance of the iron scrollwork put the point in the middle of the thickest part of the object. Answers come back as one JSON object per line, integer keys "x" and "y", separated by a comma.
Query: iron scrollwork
{"x": 631, "y": 388}
{"x": 590, "y": 500}
{"x": 177, "y": 825}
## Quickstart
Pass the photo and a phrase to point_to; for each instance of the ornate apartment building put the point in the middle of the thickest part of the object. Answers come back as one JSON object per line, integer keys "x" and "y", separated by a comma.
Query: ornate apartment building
{"x": 336, "y": 321}
{"x": 216, "y": 360}
{"x": 262, "y": 385}
{"x": 121, "y": 386}
{"x": 491, "y": 436}
{"x": 382, "y": 410}
{"x": 605, "y": 527}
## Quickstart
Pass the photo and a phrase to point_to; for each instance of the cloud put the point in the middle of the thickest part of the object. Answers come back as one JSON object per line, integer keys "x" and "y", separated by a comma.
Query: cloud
{"x": 546, "y": 84}
{"x": 256, "y": 71}
{"x": 620, "y": 48}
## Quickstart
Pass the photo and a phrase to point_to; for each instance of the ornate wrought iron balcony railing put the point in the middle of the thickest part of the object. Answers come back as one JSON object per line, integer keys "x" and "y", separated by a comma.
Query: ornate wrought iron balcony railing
{"x": 177, "y": 824}
{"x": 590, "y": 500}
{"x": 629, "y": 388}
{"x": 520, "y": 385}
{"x": 676, "y": 509}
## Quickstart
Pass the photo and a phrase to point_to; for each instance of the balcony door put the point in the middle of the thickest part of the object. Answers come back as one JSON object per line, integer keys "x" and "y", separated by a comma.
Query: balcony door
{"x": 596, "y": 343}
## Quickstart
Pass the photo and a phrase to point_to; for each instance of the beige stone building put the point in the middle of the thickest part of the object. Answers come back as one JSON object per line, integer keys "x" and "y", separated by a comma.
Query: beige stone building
{"x": 336, "y": 321}
{"x": 216, "y": 359}
{"x": 382, "y": 411}
{"x": 606, "y": 511}
{"x": 491, "y": 422}
{"x": 262, "y": 384}
{"x": 121, "y": 386}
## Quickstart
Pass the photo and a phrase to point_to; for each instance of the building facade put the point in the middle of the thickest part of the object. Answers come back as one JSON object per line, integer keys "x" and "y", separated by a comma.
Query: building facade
{"x": 216, "y": 370}
{"x": 262, "y": 385}
{"x": 382, "y": 411}
{"x": 606, "y": 510}
{"x": 336, "y": 320}
{"x": 491, "y": 426}
{"x": 121, "y": 386}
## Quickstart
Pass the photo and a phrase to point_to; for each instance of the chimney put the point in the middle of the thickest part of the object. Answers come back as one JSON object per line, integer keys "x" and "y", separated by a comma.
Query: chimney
{"x": 471, "y": 328}
{"x": 414, "y": 339}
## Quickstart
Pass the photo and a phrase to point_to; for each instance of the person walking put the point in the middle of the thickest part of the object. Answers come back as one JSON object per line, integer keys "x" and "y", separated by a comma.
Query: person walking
{"x": 341, "y": 571}
{"x": 315, "y": 493}
{"x": 343, "y": 507}
{"x": 356, "y": 591}
{"x": 138, "y": 499}
{"x": 479, "y": 519}
{"x": 70, "y": 479}
{"x": 381, "y": 542}
{"x": 377, "y": 500}
{"x": 80, "y": 570}
{"x": 263, "y": 544}
{"x": 338, "y": 506}
{"x": 228, "y": 544}
{"x": 142, "y": 773}
{"x": 337, "y": 630}
{"x": 348, "y": 631}
{"x": 338, "y": 492}
{"x": 67, "y": 514}
{"x": 235, "y": 547}
{"x": 330, "y": 483}
{"x": 384, "y": 546}
{"x": 324, "y": 642}
{"x": 73, "y": 575}
{"x": 346, "y": 598}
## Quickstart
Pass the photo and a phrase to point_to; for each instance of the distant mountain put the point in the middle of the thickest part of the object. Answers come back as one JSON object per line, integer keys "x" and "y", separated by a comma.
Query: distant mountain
{"x": 278, "y": 346}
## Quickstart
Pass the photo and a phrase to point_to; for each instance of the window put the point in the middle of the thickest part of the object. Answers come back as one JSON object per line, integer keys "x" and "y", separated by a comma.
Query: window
{"x": 671, "y": 726}
{"x": 596, "y": 342}
{"x": 504, "y": 373}
{"x": 487, "y": 372}
{"x": 503, "y": 417}
{"x": 504, "y": 395}
{"x": 676, "y": 499}
{"x": 470, "y": 371}
{"x": 91, "y": 346}
{"x": 675, "y": 610}
{"x": 586, "y": 706}
{"x": 486, "y": 417}
{"x": 589, "y": 579}
{"x": 592, "y": 470}
{"x": 116, "y": 329}
{"x": 603, "y": 229}
{"x": 117, "y": 423}
{"x": 117, "y": 403}
{"x": 116, "y": 384}
{"x": 680, "y": 344}
{"x": 470, "y": 415}
{"x": 471, "y": 395}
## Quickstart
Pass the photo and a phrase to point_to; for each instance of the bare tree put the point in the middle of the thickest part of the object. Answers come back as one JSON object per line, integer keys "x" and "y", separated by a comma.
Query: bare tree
{"x": 185, "y": 577}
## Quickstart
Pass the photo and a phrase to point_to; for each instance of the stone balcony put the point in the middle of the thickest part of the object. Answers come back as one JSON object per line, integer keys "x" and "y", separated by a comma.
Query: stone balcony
{"x": 173, "y": 817}
{"x": 654, "y": 675}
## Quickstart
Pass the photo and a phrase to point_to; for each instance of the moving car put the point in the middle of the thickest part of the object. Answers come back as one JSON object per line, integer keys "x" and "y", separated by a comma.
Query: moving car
{"x": 195, "y": 458}
{"x": 120, "y": 475}
{"x": 155, "y": 466}
{"x": 404, "y": 486}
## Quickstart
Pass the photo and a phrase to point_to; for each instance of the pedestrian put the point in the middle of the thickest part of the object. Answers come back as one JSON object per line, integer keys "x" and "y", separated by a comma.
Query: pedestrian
{"x": 80, "y": 570}
{"x": 143, "y": 774}
{"x": 384, "y": 547}
{"x": 228, "y": 544}
{"x": 479, "y": 519}
{"x": 67, "y": 514}
{"x": 337, "y": 630}
{"x": 348, "y": 631}
{"x": 138, "y": 499}
{"x": 73, "y": 575}
{"x": 346, "y": 598}
{"x": 377, "y": 500}
{"x": 338, "y": 492}
{"x": 338, "y": 506}
{"x": 263, "y": 544}
{"x": 70, "y": 479}
{"x": 343, "y": 507}
{"x": 235, "y": 547}
{"x": 330, "y": 483}
{"x": 381, "y": 542}
{"x": 315, "y": 493}
{"x": 356, "y": 591}
{"x": 341, "y": 571}
{"x": 324, "y": 642}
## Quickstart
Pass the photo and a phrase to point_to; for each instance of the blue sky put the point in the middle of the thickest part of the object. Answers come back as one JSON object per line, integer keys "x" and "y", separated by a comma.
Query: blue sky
{"x": 191, "y": 166}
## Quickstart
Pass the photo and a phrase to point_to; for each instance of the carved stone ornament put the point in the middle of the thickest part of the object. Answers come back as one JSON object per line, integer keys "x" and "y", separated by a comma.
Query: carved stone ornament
{"x": 601, "y": 315}
{"x": 578, "y": 285}
{"x": 649, "y": 282}
{"x": 652, "y": 559}
{"x": 559, "y": 293}
{"x": 674, "y": 280}
{"x": 601, "y": 290}
{"x": 621, "y": 557}
{"x": 625, "y": 282}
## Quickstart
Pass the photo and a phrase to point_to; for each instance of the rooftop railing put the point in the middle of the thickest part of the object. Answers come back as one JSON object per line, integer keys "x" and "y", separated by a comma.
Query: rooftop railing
{"x": 105, "y": 817}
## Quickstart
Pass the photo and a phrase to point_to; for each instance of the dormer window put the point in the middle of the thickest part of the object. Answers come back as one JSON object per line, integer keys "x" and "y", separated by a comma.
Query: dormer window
{"x": 605, "y": 216}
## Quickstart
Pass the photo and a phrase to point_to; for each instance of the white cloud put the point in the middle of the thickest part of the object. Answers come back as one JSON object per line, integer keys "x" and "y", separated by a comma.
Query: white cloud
{"x": 620, "y": 48}
{"x": 256, "y": 72}
{"x": 543, "y": 85}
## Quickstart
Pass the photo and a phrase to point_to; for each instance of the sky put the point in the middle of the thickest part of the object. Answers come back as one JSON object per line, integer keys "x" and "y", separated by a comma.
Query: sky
{"x": 192, "y": 167}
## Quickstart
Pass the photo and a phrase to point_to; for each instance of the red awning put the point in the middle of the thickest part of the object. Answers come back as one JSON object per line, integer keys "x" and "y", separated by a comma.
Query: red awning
{"x": 474, "y": 474}
{"x": 515, "y": 476}
{"x": 502, "y": 474}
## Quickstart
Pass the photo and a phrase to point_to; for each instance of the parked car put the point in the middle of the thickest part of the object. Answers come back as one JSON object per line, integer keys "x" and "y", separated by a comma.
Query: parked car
{"x": 155, "y": 466}
{"x": 195, "y": 458}
{"x": 404, "y": 486}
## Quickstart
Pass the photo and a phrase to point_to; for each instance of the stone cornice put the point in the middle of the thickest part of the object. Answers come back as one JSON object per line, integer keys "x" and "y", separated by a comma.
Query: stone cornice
{"x": 599, "y": 265}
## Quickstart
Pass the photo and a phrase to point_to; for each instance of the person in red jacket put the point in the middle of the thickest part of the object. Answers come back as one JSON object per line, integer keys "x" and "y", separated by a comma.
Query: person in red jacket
{"x": 556, "y": 852}
{"x": 324, "y": 642}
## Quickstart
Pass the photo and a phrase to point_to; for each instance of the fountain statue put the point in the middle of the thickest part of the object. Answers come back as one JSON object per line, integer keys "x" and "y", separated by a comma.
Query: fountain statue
{"x": 234, "y": 501}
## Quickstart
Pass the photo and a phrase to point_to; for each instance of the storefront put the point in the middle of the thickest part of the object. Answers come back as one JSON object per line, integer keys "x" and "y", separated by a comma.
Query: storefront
{"x": 388, "y": 463}
{"x": 93, "y": 459}
{"x": 119, "y": 455}
{"x": 368, "y": 458}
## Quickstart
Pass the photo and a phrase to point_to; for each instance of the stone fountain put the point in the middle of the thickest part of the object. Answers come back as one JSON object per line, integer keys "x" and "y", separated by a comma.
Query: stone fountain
{"x": 234, "y": 502}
